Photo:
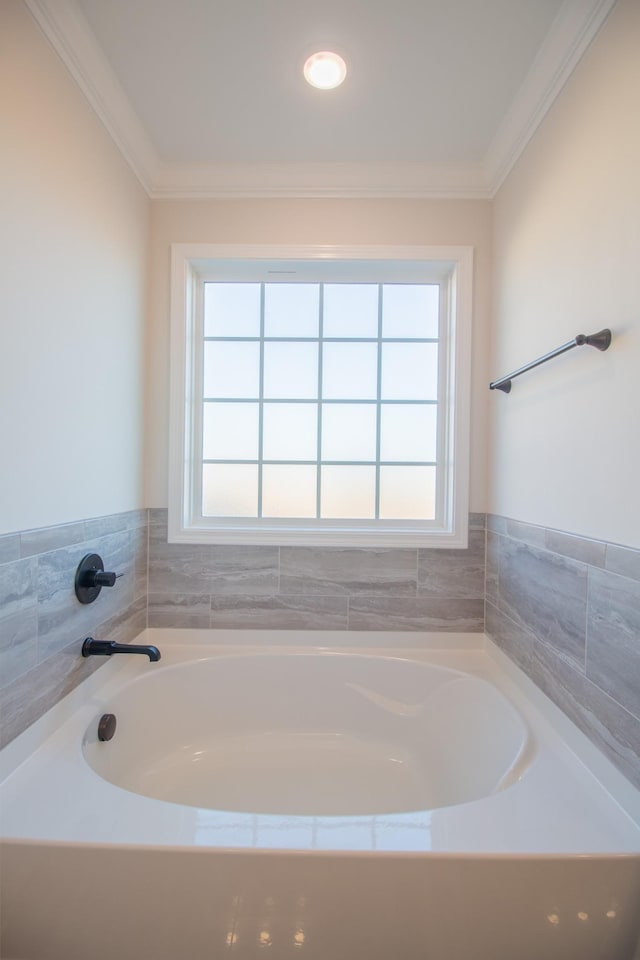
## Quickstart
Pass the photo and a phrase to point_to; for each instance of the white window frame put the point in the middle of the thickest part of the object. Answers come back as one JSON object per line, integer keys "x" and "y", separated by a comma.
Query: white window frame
{"x": 190, "y": 263}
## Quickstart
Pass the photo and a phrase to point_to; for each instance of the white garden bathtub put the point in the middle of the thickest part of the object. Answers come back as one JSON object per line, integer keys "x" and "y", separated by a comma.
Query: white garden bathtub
{"x": 319, "y": 735}
{"x": 318, "y": 802}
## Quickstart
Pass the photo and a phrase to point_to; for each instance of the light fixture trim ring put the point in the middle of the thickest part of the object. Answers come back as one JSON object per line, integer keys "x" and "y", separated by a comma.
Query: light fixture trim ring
{"x": 325, "y": 70}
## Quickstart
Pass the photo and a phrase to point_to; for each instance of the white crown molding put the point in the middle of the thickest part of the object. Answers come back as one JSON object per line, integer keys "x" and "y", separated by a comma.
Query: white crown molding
{"x": 319, "y": 180}
{"x": 72, "y": 39}
{"x": 575, "y": 26}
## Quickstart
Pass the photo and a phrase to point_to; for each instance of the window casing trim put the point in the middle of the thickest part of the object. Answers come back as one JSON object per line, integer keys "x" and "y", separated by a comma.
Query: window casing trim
{"x": 193, "y": 262}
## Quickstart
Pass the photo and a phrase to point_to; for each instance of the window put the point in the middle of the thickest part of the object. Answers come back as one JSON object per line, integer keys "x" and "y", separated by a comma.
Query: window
{"x": 320, "y": 395}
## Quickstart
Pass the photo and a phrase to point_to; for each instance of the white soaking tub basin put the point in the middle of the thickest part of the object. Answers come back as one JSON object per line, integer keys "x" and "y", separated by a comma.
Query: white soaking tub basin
{"x": 325, "y": 734}
{"x": 282, "y": 795}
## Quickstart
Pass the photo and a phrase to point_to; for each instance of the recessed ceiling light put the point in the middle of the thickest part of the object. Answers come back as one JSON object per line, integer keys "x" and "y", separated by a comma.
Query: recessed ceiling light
{"x": 325, "y": 70}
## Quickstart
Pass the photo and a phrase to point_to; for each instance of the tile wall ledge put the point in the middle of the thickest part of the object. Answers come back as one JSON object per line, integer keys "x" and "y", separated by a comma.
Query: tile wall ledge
{"x": 31, "y": 543}
{"x": 613, "y": 557}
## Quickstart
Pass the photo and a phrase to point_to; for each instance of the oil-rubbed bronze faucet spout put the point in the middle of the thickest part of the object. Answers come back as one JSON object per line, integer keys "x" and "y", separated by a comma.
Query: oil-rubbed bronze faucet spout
{"x": 105, "y": 648}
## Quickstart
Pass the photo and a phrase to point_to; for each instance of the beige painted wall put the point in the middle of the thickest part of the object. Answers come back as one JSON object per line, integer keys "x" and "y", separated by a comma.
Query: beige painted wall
{"x": 73, "y": 240}
{"x": 310, "y": 222}
{"x": 565, "y": 448}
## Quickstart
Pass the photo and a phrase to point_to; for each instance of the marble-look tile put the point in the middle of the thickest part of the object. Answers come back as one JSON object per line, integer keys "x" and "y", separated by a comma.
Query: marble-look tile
{"x": 244, "y": 569}
{"x": 613, "y": 637}
{"x": 140, "y": 546}
{"x": 492, "y": 567}
{"x": 126, "y": 625}
{"x": 497, "y": 524}
{"x": 61, "y": 618}
{"x": 453, "y": 573}
{"x": 477, "y": 521}
{"x": 158, "y": 517}
{"x": 178, "y": 567}
{"x": 527, "y": 532}
{"x": 607, "y": 724}
{"x": 30, "y": 696}
{"x": 546, "y": 594}
{"x": 623, "y": 560}
{"x": 195, "y": 568}
{"x": 18, "y": 644}
{"x": 33, "y": 693}
{"x": 337, "y": 571}
{"x": 103, "y": 526}
{"x": 224, "y": 569}
{"x": 17, "y": 587}
{"x": 118, "y": 551}
{"x": 512, "y": 638}
{"x": 42, "y": 625}
{"x": 279, "y": 612}
{"x": 33, "y": 542}
{"x": 179, "y": 610}
{"x": 9, "y": 547}
{"x": 137, "y": 518}
{"x": 419, "y": 613}
{"x": 578, "y": 548}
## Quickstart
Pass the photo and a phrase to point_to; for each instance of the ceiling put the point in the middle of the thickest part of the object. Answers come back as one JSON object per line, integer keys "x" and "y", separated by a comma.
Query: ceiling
{"x": 206, "y": 97}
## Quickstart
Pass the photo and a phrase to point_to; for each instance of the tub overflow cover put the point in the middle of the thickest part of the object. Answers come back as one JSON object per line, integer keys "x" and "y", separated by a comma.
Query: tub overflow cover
{"x": 106, "y": 726}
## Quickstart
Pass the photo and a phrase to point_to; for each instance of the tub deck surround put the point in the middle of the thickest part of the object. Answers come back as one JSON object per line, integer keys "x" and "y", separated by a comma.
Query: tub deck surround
{"x": 535, "y": 814}
{"x": 566, "y": 609}
{"x": 547, "y": 864}
{"x": 309, "y": 588}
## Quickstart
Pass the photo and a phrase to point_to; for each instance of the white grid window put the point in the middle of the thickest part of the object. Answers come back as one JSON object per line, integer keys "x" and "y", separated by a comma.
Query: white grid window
{"x": 319, "y": 401}
{"x": 336, "y": 385}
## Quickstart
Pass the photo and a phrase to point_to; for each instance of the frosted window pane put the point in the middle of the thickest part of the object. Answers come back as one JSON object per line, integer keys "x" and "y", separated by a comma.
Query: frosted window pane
{"x": 289, "y": 491}
{"x": 291, "y": 309}
{"x": 230, "y": 431}
{"x": 350, "y": 371}
{"x": 410, "y": 310}
{"x": 348, "y": 492}
{"x": 348, "y": 431}
{"x": 290, "y": 431}
{"x": 291, "y": 371}
{"x": 350, "y": 310}
{"x": 410, "y": 371}
{"x": 229, "y": 490}
{"x": 231, "y": 370}
{"x": 408, "y": 432}
{"x": 407, "y": 493}
{"x": 232, "y": 309}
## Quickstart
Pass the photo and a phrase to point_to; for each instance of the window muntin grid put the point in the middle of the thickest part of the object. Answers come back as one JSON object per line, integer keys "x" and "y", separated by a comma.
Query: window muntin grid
{"x": 372, "y": 367}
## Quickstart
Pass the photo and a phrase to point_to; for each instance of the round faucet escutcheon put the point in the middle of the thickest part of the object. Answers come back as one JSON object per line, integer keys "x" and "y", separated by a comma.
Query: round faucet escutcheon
{"x": 91, "y": 577}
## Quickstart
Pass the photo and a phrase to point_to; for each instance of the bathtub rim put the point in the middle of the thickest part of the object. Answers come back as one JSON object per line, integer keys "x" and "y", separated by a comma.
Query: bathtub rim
{"x": 482, "y": 658}
{"x": 450, "y": 647}
{"x": 296, "y": 853}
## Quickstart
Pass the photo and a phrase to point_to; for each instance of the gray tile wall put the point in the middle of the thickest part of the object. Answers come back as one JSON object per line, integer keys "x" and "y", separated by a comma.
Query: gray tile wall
{"x": 323, "y": 588}
{"x": 567, "y": 610}
{"x": 42, "y": 623}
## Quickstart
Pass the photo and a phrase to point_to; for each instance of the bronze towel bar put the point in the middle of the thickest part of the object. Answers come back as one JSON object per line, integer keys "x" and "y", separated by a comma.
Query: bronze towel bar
{"x": 600, "y": 340}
